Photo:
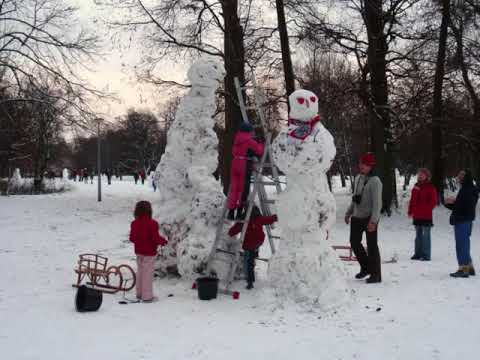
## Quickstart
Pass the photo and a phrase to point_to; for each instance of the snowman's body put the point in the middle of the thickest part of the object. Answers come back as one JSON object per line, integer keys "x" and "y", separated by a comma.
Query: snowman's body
{"x": 190, "y": 198}
{"x": 305, "y": 268}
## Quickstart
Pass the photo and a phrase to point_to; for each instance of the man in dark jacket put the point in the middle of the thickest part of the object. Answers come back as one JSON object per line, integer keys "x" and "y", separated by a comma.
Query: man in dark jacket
{"x": 364, "y": 214}
{"x": 463, "y": 215}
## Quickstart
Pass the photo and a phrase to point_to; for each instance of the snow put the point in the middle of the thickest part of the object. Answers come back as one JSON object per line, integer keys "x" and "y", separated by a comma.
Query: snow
{"x": 190, "y": 203}
{"x": 424, "y": 314}
{"x": 306, "y": 269}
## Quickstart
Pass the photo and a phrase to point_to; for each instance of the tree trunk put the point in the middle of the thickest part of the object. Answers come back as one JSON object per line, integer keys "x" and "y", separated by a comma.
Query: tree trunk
{"x": 379, "y": 109}
{"x": 406, "y": 183}
{"x": 235, "y": 67}
{"x": 458, "y": 33}
{"x": 286, "y": 58}
{"x": 342, "y": 178}
{"x": 437, "y": 113}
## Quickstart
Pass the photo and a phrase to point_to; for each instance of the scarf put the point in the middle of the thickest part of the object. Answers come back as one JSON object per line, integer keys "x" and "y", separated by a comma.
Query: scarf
{"x": 303, "y": 128}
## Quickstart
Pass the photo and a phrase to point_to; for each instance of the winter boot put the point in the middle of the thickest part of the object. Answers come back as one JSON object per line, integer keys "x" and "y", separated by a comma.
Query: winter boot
{"x": 152, "y": 300}
{"x": 462, "y": 272}
{"x": 361, "y": 274}
{"x": 231, "y": 214}
{"x": 373, "y": 279}
{"x": 240, "y": 214}
{"x": 415, "y": 257}
{"x": 249, "y": 286}
{"x": 471, "y": 270}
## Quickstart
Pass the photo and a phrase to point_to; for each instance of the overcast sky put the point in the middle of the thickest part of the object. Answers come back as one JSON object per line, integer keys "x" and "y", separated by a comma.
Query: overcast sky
{"x": 114, "y": 71}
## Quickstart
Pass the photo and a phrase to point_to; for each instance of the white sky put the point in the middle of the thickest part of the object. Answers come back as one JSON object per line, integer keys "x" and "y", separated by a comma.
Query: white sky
{"x": 113, "y": 72}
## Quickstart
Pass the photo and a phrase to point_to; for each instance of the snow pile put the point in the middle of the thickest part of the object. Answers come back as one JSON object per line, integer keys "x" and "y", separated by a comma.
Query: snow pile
{"x": 190, "y": 198}
{"x": 305, "y": 268}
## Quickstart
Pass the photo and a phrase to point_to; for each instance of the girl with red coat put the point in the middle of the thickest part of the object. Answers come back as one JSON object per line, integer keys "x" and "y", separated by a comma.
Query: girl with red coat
{"x": 144, "y": 234}
{"x": 242, "y": 143}
{"x": 422, "y": 202}
{"x": 254, "y": 238}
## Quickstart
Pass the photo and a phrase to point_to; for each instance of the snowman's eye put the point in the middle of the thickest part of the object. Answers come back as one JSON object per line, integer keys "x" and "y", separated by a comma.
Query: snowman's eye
{"x": 300, "y": 100}
{"x": 313, "y": 99}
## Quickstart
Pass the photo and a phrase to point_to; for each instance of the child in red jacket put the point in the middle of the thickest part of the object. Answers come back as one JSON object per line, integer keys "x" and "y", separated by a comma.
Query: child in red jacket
{"x": 242, "y": 143}
{"x": 422, "y": 203}
{"x": 254, "y": 238}
{"x": 144, "y": 234}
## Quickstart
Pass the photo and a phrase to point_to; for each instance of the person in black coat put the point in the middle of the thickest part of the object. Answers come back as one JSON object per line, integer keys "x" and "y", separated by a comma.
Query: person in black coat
{"x": 462, "y": 217}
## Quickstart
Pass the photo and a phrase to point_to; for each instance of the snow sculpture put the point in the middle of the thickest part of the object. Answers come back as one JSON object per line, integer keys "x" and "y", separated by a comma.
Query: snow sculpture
{"x": 190, "y": 199}
{"x": 305, "y": 267}
{"x": 65, "y": 174}
{"x": 16, "y": 182}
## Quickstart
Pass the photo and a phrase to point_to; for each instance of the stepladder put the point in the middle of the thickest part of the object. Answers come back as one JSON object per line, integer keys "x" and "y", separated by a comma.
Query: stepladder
{"x": 226, "y": 257}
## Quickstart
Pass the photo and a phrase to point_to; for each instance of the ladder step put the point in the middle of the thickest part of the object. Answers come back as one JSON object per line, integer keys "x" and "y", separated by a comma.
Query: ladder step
{"x": 267, "y": 182}
{"x": 267, "y": 201}
{"x": 226, "y": 221}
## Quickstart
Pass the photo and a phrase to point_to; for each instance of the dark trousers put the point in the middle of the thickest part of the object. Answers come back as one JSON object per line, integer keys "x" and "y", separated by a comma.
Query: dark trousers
{"x": 369, "y": 262}
{"x": 246, "y": 184}
{"x": 249, "y": 264}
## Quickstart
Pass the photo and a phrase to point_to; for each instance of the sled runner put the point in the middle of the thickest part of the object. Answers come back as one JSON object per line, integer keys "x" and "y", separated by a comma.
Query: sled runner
{"x": 93, "y": 271}
{"x": 348, "y": 257}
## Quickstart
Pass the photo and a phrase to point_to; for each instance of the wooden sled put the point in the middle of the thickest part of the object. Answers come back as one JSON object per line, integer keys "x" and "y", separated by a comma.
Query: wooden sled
{"x": 348, "y": 257}
{"x": 93, "y": 271}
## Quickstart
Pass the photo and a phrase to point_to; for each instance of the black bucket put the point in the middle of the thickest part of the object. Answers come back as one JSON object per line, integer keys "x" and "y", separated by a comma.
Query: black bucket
{"x": 207, "y": 288}
{"x": 88, "y": 299}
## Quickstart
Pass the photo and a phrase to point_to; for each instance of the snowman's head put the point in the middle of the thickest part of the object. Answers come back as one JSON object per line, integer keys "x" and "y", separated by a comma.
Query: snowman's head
{"x": 303, "y": 105}
{"x": 206, "y": 73}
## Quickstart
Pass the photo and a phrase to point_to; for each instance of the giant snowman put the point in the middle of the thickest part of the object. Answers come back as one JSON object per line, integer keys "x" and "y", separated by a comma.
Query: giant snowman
{"x": 190, "y": 199}
{"x": 305, "y": 268}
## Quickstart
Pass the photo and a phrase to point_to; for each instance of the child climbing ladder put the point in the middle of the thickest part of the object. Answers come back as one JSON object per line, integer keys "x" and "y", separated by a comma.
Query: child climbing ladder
{"x": 243, "y": 142}
{"x": 254, "y": 238}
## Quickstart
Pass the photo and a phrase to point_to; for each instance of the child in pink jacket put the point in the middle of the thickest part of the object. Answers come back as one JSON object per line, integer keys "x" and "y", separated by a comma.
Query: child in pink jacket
{"x": 242, "y": 143}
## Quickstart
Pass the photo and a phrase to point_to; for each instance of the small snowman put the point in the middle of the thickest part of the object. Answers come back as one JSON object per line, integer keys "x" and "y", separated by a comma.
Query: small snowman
{"x": 305, "y": 268}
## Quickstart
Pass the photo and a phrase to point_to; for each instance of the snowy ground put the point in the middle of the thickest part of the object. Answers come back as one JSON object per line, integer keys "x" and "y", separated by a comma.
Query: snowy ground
{"x": 418, "y": 312}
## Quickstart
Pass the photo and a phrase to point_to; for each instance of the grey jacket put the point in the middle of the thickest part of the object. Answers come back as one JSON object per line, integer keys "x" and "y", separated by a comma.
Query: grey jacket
{"x": 371, "y": 204}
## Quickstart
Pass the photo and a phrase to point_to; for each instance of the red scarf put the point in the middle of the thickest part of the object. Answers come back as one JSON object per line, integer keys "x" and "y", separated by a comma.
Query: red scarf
{"x": 304, "y": 128}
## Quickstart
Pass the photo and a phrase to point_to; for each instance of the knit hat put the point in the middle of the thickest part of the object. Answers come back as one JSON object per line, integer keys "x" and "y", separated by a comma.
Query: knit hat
{"x": 368, "y": 159}
{"x": 245, "y": 127}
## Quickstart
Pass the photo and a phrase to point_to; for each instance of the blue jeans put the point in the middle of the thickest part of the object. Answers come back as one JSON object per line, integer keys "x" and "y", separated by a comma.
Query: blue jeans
{"x": 423, "y": 244}
{"x": 463, "y": 231}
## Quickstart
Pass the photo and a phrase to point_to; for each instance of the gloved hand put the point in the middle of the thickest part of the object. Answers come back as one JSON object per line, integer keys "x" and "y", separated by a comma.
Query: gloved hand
{"x": 275, "y": 217}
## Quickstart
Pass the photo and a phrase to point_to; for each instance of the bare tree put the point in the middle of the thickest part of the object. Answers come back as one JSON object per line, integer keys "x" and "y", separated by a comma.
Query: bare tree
{"x": 367, "y": 32}
{"x": 285, "y": 45}
{"x": 225, "y": 29}
{"x": 37, "y": 37}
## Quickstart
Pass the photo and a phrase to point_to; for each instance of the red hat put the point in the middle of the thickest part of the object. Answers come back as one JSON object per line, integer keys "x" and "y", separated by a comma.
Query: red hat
{"x": 368, "y": 159}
